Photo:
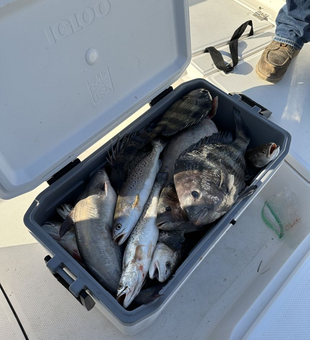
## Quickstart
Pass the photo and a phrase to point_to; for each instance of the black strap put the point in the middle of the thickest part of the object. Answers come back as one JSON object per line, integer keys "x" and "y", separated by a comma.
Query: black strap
{"x": 233, "y": 47}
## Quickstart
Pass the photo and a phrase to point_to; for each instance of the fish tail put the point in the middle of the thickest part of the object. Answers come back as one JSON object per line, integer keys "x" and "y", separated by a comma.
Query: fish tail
{"x": 159, "y": 143}
{"x": 66, "y": 225}
{"x": 242, "y": 131}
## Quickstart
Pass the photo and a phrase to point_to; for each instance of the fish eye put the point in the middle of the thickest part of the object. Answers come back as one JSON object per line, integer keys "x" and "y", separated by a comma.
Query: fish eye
{"x": 120, "y": 286}
{"x": 168, "y": 208}
{"x": 118, "y": 226}
{"x": 195, "y": 194}
{"x": 168, "y": 265}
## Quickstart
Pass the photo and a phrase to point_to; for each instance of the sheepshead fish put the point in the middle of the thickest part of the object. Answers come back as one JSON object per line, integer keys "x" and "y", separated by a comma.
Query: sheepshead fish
{"x": 167, "y": 255}
{"x": 140, "y": 248}
{"x": 185, "y": 112}
{"x": 262, "y": 155}
{"x": 170, "y": 216}
{"x": 184, "y": 140}
{"x": 135, "y": 192}
{"x": 68, "y": 241}
{"x": 92, "y": 218}
{"x": 210, "y": 175}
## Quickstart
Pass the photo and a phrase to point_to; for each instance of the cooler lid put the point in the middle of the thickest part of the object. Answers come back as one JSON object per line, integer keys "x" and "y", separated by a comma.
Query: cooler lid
{"x": 71, "y": 71}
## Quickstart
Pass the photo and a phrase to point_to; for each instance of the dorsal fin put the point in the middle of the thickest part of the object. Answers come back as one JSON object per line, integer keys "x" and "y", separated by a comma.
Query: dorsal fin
{"x": 219, "y": 137}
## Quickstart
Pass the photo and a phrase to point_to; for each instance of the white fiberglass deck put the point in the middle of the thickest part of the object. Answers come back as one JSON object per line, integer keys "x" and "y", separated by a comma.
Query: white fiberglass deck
{"x": 244, "y": 280}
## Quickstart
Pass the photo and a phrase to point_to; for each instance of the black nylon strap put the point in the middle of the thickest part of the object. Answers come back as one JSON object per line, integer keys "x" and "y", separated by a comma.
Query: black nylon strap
{"x": 233, "y": 47}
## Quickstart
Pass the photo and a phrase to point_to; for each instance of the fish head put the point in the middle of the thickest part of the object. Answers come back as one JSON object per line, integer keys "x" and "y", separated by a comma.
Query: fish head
{"x": 200, "y": 193}
{"x": 169, "y": 212}
{"x": 263, "y": 154}
{"x": 124, "y": 218}
{"x": 98, "y": 179}
{"x": 120, "y": 229}
{"x": 129, "y": 287}
{"x": 164, "y": 262}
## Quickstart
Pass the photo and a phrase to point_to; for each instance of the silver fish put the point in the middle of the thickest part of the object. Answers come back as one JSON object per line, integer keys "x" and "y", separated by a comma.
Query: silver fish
{"x": 164, "y": 261}
{"x": 167, "y": 255}
{"x": 140, "y": 248}
{"x": 135, "y": 192}
{"x": 92, "y": 218}
{"x": 262, "y": 155}
{"x": 68, "y": 241}
{"x": 210, "y": 175}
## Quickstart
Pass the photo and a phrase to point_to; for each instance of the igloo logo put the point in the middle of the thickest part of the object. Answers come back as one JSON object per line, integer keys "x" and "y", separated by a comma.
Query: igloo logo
{"x": 77, "y": 21}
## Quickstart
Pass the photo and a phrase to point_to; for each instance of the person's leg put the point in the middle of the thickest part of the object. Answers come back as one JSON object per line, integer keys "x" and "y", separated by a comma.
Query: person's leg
{"x": 292, "y": 31}
{"x": 293, "y": 23}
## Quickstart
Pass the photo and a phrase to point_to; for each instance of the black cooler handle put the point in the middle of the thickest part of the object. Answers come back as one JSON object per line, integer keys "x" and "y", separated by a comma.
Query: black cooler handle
{"x": 258, "y": 108}
{"x": 73, "y": 286}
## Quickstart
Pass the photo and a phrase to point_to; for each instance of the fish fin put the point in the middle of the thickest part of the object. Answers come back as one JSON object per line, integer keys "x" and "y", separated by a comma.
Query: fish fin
{"x": 230, "y": 182}
{"x": 138, "y": 253}
{"x": 215, "y": 104}
{"x": 67, "y": 225}
{"x": 106, "y": 188}
{"x": 136, "y": 202}
{"x": 247, "y": 192}
{"x": 242, "y": 131}
{"x": 219, "y": 137}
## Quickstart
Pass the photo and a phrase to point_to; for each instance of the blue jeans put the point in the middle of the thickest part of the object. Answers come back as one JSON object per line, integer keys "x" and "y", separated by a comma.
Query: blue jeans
{"x": 293, "y": 23}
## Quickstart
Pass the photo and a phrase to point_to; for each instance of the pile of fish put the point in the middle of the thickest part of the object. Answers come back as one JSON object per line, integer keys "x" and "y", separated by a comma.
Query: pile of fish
{"x": 165, "y": 186}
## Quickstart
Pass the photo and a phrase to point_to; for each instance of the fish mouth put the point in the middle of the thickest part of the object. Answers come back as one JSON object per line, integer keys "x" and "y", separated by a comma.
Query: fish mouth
{"x": 273, "y": 150}
{"x": 154, "y": 271}
{"x": 119, "y": 239}
{"x": 198, "y": 217}
{"x": 123, "y": 295}
{"x": 164, "y": 225}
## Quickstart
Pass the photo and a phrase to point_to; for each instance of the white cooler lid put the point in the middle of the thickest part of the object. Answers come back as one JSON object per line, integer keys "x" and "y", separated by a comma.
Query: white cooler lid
{"x": 71, "y": 71}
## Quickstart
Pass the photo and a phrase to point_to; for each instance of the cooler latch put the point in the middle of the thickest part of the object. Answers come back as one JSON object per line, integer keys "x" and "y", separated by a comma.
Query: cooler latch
{"x": 63, "y": 171}
{"x": 75, "y": 287}
{"x": 258, "y": 108}
{"x": 161, "y": 96}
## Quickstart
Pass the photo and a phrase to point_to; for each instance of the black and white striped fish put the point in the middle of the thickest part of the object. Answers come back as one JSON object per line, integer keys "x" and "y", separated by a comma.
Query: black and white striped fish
{"x": 209, "y": 176}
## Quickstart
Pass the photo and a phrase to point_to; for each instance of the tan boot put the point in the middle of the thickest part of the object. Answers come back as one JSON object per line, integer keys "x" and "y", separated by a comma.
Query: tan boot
{"x": 275, "y": 60}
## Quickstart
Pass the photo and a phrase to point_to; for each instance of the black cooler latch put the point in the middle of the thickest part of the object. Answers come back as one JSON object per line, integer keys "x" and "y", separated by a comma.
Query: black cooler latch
{"x": 161, "y": 96}
{"x": 61, "y": 276}
{"x": 252, "y": 103}
{"x": 63, "y": 171}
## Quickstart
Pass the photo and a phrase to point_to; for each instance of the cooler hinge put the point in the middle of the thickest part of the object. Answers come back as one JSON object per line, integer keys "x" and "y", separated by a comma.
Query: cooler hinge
{"x": 63, "y": 171}
{"x": 261, "y": 15}
{"x": 161, "y": 96}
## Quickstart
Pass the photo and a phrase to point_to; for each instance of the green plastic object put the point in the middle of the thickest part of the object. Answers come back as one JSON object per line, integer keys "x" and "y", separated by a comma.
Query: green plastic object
{"x": 280, "y": 212}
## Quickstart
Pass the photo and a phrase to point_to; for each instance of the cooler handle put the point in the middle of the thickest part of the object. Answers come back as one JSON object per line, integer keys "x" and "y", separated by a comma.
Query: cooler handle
{"x": 258, "y": 108}
{"x": 75, "y": 287}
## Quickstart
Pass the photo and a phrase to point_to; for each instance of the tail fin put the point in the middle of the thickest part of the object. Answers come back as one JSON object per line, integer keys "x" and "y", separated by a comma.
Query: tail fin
{"x": 68, "y": 224}
{"x": 242, "y": 131}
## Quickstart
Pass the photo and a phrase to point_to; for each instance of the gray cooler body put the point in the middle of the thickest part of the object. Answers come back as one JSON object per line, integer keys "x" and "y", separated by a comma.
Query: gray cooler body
{"x": 68, "y": 187}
